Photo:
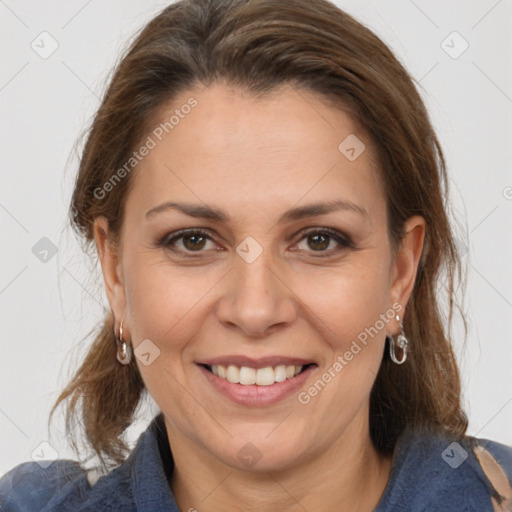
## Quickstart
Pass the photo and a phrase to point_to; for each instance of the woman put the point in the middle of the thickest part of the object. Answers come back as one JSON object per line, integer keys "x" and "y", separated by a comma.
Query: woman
{"x": 266, "y": 196}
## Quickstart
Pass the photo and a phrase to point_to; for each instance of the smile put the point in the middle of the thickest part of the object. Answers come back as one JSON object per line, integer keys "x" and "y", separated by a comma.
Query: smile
{"x": 247, "y": 376}
{"x": 256, "y": 382}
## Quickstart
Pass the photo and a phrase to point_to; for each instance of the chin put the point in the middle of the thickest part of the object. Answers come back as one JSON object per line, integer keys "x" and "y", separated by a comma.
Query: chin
{"x": 263, "y": 454}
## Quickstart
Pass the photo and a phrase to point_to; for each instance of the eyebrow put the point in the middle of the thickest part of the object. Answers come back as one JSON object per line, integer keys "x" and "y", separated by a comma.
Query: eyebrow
{"x": 300, "y": 212}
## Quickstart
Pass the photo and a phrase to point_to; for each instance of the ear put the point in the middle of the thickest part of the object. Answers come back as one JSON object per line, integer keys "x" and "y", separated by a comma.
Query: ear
{"x": 110, "y": 264}
{"x": 405, "y": 265}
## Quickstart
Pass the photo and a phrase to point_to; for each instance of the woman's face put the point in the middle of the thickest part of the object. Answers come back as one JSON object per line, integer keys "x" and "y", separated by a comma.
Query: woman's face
{"x": 286, "y": 265}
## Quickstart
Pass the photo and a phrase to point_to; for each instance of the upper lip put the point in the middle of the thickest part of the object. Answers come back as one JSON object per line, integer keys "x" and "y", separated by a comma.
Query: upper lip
{"x": 262, "y": 362}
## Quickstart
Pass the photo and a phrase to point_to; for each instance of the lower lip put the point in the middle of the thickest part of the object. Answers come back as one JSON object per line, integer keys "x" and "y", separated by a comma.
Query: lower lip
{"x": 254, "y": 395}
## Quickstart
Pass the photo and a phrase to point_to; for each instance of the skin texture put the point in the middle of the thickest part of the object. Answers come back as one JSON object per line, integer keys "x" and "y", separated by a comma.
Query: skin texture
{"x": 256, "y": 158}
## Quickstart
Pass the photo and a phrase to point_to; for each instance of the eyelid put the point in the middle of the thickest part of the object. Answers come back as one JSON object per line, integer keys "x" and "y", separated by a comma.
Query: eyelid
{"x": 343, "y": 240}
{"x": 175, "y": 235}
{"x": 340, "y": 237}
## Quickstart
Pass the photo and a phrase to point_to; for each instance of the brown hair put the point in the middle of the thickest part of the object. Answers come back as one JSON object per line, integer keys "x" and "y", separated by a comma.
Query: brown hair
{"x": 258, "y": 46}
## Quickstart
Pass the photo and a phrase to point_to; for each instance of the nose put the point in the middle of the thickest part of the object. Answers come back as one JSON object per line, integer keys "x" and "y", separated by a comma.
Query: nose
{"x": 256, "y": 299}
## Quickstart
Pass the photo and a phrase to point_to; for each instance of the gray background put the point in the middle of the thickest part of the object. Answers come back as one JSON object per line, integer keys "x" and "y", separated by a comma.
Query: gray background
{"x": 48, "y": 302}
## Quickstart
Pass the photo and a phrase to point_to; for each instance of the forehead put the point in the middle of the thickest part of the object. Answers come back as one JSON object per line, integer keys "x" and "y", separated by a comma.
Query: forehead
{"x": 232, "y": 148}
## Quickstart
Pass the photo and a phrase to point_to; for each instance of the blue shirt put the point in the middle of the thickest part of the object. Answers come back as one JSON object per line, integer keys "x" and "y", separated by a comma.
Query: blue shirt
{"x": 429, "y": 473}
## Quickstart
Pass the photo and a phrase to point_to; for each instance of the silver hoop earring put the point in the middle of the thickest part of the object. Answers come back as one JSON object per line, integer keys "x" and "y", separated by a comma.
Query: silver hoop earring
{"x": 401, "y": 342}
{"x": 124, "y": 350}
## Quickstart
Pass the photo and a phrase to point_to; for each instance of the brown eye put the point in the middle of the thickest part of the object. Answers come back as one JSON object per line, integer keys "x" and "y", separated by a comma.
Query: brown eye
{"x": 325, "y": 242}
{"x": 187, "y": 242}
{"x": 318, "y": 242}
{"x": 194, "y": 242}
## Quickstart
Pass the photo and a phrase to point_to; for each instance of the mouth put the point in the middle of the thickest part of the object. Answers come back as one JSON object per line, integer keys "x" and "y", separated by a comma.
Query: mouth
{"x": 256, "y": 382}
{"x": 248, "y": 376}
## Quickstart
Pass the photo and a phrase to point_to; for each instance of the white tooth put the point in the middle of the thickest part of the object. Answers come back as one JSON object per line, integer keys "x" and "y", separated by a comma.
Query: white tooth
{"x": 262, "y": 377}
{"x": 233, "y": 374}
{"x": 247, "y": 376}
{"x": 280, "y": 373}
{"x": 265, "y": 376}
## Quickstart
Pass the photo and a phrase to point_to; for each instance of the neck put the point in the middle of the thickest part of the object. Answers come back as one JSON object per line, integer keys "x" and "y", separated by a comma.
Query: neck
{"x": 350, "y": 475}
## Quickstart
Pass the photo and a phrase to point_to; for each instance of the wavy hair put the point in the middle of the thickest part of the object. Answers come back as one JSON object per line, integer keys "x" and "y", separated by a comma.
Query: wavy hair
{"x": 258, "y": 46}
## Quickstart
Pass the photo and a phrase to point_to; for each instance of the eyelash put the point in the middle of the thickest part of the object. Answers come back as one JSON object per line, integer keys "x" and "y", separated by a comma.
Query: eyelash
{"x": 344, "y": 241}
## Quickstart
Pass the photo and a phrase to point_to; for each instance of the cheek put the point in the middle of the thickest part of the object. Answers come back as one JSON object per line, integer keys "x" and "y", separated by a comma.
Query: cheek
{"x": 170, "y": 306}
{"x": 348, "y": 299}
{"x": 158, "y": 300}
{"x": 166, "y": 304}
{"x": 350, "y": 309}
{"x": 353, "y": 308}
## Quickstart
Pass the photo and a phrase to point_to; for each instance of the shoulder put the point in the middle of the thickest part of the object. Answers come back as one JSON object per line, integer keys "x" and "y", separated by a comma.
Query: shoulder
{"x": 496, "y": 462}
{"x": 435, "y": 472}
{"x": 30, "y": 486}
{"x": 61, "y": 485}
{"x": 139, "y": 483}
{"x": 501, "y": 453}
